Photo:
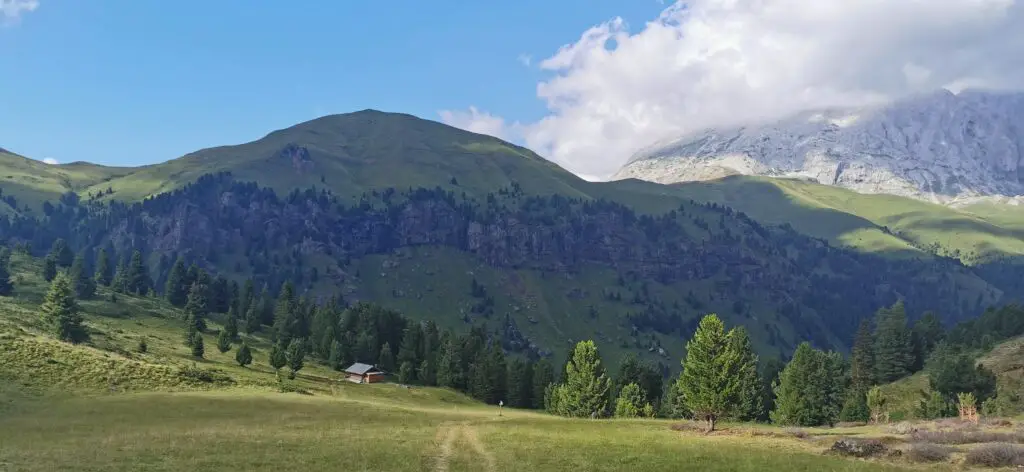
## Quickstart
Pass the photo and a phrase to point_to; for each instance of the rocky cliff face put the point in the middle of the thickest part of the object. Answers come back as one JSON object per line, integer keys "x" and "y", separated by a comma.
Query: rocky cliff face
{"x": 942, "y": 147}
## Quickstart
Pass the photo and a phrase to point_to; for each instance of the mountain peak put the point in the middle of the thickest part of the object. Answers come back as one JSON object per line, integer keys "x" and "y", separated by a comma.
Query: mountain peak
{"x": 938, "y": 146}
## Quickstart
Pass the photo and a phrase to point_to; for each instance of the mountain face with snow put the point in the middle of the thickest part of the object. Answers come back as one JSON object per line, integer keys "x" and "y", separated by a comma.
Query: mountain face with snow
{"x": 941, "y": 147}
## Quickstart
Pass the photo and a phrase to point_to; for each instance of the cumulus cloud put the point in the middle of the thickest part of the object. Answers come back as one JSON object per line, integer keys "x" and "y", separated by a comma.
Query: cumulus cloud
{"x": 11, "y": 10}
{"x": 51, "y": 161}
{"x": 708, "y": 63}
{"x": 479, "y": 122}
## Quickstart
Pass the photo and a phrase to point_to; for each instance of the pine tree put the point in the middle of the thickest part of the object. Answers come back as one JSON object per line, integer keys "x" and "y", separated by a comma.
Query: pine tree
{"x": 862, "y": 374}
{"x": 60, "y": 311}
{"x": 104, "y": 269}
{"x": 295, "y": 354}
{"x": 631, "y": 402}
{"x": 750, "y": 404}
{"x": 244, "y": 355}
{"x": 143, "y": 345}
{"x": 337, "y": 359}
{"x": 196, "y": 308}
{"x": 405, "y": 373}
{"x": 926, "y": 334}
{"x": 386, "y": 359}
{"x": 894, "y": 349}
{"x": 426, "y": 374}
{"x": 198, "y": 349}
{"x": 6, "y": 287}
{"x": 278, "y": 358}
{"x": 85, "y": 286}
{"x": 120, "y": 281}
{"x": 61, "y": 253}
{"x": 710, "y": 382}
{"x": 520, "y": 384}
{"x": 285, "y": 313}
{"x": 412, "y": 345}
{"x": 231, "y": 324}
{"x": 223, "y": 341}
{"x": 584, "y": 391}
{"x": 252, "y": 320}
{"x": 449, "y": 373}
{"x": 543, "y": 377}
{"x": 175, "y": 290}
{"x": 49, "y": 268}
{"x": 138, "y": 275}
{"x": 632, "y": 370}
{"x": 810, "y": 389}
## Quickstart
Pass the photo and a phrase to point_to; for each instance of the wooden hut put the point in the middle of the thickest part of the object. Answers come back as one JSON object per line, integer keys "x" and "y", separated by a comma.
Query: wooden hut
{"x": 363, "y": 373}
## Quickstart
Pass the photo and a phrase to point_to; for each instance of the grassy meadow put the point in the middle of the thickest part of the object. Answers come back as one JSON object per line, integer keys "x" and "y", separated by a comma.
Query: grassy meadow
{"x": 107, "y": 406}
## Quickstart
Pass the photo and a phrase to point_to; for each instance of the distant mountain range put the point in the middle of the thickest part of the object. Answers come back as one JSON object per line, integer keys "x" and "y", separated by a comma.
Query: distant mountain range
{"x": 941, "y": 147}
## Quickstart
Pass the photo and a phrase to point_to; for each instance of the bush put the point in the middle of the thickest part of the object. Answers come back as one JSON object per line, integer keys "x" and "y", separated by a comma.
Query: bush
{"x": 996, "y": 455}
{"x": 198, "y": 374}
{"x": 858, "y": 447}
{"x": 967, "y": 437}
{"x": 902, "y": 428}
{"x": 928, "y": 452}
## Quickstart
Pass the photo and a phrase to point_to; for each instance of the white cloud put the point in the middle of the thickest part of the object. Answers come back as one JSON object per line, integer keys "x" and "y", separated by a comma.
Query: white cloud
{"x": 479, "y": 122}
{"x": 720, "y": 62}
{"x": 51, "y": 161}
{"x": 11, "y": 10}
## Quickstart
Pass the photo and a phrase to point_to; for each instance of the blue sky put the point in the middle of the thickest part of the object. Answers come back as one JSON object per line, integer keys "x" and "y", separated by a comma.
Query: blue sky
{"x": 130, "y": 82}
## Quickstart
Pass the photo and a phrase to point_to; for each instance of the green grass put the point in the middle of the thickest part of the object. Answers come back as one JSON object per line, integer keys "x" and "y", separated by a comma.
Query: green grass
{"x": 33, "y": 182}
{"x": 856, "y": 220}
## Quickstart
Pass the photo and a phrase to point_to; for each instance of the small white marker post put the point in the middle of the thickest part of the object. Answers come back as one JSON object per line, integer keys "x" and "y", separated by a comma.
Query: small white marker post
{"x": 501, "y": 403}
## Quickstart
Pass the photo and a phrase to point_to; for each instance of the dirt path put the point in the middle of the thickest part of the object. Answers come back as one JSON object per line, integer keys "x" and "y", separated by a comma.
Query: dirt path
{"x": 469, "y": 432}
{"x": 448, "y": 435}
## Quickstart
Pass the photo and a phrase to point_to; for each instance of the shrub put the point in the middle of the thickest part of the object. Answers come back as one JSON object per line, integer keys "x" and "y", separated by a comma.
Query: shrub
{"x": 902, "y": 428}
{"x": 928, "y": 452}
{"x": 858, "y": 447}
{"x": 996, "y": 455}
{"x": 198, "y": 374}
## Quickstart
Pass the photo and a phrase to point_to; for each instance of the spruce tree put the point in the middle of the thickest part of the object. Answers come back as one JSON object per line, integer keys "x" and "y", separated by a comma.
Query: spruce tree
{"x": 252, "y": 320}
{"x": 426, "y": 373}
{"x": 6, "y": 287}
{"x": 223, "y": 341}
{"x": 60, "y": 311}
{"x": 810, "y": 389}
{"x": 337, "y": 358}
{"x": 862, "y": 374}
{"x": 894, "y": 349}
{"x": 386, "y": 359}
{"x": 405, "y": 373}
{"x": 520, "y": 384}
{"x": 231, "y": 324}
{"x": 750, "y": 404}
{"x": 285, "y": 313}
{"x": 196, "y": 308}
{"x": 85, "y": 286}
{"x": 710, "y": 382}
{"x": 449, "y": 373}
{"x": 278, "y": 358}
{"x": 138, "y": 275}
{"x": 295, "y": 355}
{"x": 104, "y": 268}
{"x": 543, "y": 377}
{"x": 198, "y": 349}
{"x": 61, "y": 253}
{"x": 631, "y": 402}
{"x": 120, "y": 281}
{"x": 584, "y": 391}
{"x": 175, "y": 290}
{"x": 632, "y": 370}
{"x": 244, "y": 356}
{"x": 49, "y": 268}
{"x": 927, "y": 333}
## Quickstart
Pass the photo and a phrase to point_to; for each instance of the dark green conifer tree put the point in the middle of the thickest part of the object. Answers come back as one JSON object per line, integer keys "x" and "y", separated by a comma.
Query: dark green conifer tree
{"x": 405, "y": 373}
{"x": 295, "y": 354}
{"x": 244, "y": 355}
{"x": 750, "y": 406}
{"x": 543, "y": 377}
{"x": 120, "y": 281}
{"x": 862, "y": 375}
{"x": 223, "y": 341}
{"x": 196, "y": 308}
{"x": 138, "y": 275}
{"x": 231, "y": 324}
{"x": 811, "y": 388}
{"x": 198, "y": 348}
{"x": 893, "y": 344}
{"x": 61, "y": 253}
{"x": 278, "y": 358}
{"x": 175, "y": 290}
{"x": 104, "y": 268}
{"x": 49, "y": 268}
{"x": 449, "y": 373}
{"x": 60, "y": 311}
{"x": 85, "y": 286}
{"x": 6, "y": 287}
{"x": 386, "y": 359}
{"x": 710, "y": 383}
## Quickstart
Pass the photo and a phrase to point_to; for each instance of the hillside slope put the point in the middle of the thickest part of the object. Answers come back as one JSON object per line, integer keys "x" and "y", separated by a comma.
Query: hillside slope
{"x": 32, "y": 182}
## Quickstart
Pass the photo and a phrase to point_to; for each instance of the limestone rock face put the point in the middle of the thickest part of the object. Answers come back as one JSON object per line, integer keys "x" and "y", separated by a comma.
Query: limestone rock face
{"x": 941, "y": 147}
